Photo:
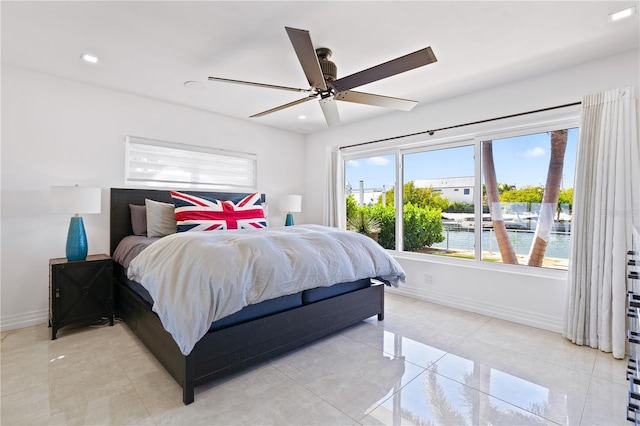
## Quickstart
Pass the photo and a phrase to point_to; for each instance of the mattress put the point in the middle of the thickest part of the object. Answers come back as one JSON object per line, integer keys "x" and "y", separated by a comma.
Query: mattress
{"x": 268, "y": 307}
{"x": 246, "y": 314}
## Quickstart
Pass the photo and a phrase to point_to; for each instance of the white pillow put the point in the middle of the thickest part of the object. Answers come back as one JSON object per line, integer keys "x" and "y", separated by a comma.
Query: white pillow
{"x": 161, "y": 219}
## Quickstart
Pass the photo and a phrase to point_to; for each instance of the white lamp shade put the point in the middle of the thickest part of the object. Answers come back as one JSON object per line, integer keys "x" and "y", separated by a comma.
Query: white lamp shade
{"x": 75, "y": 199}
{"x": 291, "y": 203}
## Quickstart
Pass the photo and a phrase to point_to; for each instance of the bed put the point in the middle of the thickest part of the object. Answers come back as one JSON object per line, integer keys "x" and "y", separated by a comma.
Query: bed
{"x": 253, "y": 334}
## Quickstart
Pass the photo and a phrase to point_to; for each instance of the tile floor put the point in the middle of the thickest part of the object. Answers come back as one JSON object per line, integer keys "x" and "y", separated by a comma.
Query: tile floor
{"x": 424, "y": 364}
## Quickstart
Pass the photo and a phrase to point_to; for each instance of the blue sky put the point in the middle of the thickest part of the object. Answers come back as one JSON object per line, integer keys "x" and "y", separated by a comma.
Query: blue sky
{"x": 519, "y": 161}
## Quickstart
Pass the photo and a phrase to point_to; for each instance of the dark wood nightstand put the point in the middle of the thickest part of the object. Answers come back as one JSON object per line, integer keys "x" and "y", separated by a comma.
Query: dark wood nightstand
{"x": 80, "y": 292}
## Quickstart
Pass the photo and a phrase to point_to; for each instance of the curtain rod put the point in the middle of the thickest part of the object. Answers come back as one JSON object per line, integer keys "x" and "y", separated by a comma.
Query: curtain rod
{"x": 431, "y": 132}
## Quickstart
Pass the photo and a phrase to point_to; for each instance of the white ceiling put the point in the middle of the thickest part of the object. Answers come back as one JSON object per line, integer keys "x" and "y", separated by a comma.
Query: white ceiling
{"x": 152, "y": 48}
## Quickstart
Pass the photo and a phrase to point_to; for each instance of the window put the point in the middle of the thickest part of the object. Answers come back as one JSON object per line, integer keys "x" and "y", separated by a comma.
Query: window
{"x": 528, "y": 192}
{"x": 435, "y": 213}
{"x": 515, "y": 205}
{"x": 157, "y": 163}
{"x": 369, "y": 189}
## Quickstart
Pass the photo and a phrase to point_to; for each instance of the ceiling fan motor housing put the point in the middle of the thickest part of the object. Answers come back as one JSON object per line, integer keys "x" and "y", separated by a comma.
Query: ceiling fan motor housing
{"x": 329, "y": 69}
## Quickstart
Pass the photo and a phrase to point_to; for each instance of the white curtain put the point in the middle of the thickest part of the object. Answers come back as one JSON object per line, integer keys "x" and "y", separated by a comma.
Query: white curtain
{"x": 334, "y": 194}
{"x": 606, "y": 204}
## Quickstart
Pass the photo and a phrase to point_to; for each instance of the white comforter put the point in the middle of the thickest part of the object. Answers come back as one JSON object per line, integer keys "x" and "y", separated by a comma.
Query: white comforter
{"x": 196, "y": 278}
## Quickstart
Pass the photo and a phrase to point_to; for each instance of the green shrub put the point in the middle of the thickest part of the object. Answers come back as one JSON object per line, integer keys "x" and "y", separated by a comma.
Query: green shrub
{"x": 422, "y": 226}
{"x": 386, "y": 217}
{"x": 352, "y": 206}
{"x": 459, "y": 207}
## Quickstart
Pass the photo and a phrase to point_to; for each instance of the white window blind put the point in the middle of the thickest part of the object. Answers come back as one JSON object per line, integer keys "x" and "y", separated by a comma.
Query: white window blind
{"x": 151, "y": 162}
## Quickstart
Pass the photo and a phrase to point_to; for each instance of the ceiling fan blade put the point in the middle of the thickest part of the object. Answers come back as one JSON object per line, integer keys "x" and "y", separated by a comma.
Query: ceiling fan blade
{"x": 377, "y": 100}
{"x": 250, "y": 83}
{"x": 290, "y": 104}
{"x": 307, "y": 56}
{"x": 395, "y": 66}
{"x": 330, "y": 111}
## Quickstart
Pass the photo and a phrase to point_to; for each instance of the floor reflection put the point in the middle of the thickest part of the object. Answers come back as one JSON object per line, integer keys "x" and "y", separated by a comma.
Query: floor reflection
{"x": 425, "y": 364}
{"x": 456, "y": 390}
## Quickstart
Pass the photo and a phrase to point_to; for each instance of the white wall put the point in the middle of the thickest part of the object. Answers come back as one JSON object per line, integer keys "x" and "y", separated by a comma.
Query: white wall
{"x": 538, "y": 297}
{"x": 57, "y": 132}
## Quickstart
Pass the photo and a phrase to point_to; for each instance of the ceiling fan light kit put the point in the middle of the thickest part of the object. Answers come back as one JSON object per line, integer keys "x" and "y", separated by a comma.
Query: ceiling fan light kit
{"x": 322, "y": 73}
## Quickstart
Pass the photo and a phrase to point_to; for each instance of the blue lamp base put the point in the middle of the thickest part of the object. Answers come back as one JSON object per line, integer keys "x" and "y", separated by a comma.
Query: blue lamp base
{"x": 289, "y": 220}
{"x": 76, "y": 240}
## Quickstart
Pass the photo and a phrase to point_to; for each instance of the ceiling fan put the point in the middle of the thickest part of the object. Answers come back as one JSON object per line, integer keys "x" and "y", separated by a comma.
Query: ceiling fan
{"x": 321, "y": 74}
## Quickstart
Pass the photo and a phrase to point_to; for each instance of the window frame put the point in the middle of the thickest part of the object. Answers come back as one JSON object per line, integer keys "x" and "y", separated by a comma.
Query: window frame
{"x": 413, "y": 145}
{"x": 367, "y": 153}
{"x": 530, "y": 129}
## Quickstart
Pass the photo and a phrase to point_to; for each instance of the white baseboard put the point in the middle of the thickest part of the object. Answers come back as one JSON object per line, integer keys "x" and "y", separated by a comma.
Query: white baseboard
{"x": 534, "y": 319}
{"x": 520, "y": 316}
{"x": 13, "y": 322}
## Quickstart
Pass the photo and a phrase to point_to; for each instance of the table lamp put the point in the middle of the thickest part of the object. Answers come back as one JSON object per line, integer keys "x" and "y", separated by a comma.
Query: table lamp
{"x": 76, "y": 200}
{"x": 290, "y": 204}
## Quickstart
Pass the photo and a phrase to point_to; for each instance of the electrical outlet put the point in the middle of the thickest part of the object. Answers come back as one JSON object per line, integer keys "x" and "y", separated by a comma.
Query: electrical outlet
{"x": 428, "y": 279}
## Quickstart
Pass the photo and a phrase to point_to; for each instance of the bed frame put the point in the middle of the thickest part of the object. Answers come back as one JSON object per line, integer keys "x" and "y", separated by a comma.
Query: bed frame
{"x": 230, "y": 349}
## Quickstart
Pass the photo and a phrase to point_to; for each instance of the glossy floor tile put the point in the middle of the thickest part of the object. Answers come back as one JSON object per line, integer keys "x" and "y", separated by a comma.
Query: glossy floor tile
{"x": 424, "y": 364}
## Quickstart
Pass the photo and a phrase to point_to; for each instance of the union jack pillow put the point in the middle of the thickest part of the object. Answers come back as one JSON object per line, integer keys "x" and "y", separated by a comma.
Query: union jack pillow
{"x": 198, "y": 213}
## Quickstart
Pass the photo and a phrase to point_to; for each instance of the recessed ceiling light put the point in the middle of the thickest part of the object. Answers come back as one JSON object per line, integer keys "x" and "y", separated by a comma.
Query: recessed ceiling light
{"x": 624, "y": 13}
{"x": 302, "y": 117}
{"x": 89, "y": 58}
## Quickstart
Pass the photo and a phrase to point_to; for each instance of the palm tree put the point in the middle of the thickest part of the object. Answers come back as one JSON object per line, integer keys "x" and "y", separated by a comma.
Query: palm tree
{"x": 502, "y": 187}
{"x": 550, "y": 197}
{"x": 478, "y": 405}
{"x": 444, "y": 412}
{"x": 493, "y": 200}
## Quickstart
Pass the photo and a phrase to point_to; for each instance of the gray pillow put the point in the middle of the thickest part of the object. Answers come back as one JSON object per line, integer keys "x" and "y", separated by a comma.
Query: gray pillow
{"x": 138, "y": 219}
{"x": 161, "y": 219}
